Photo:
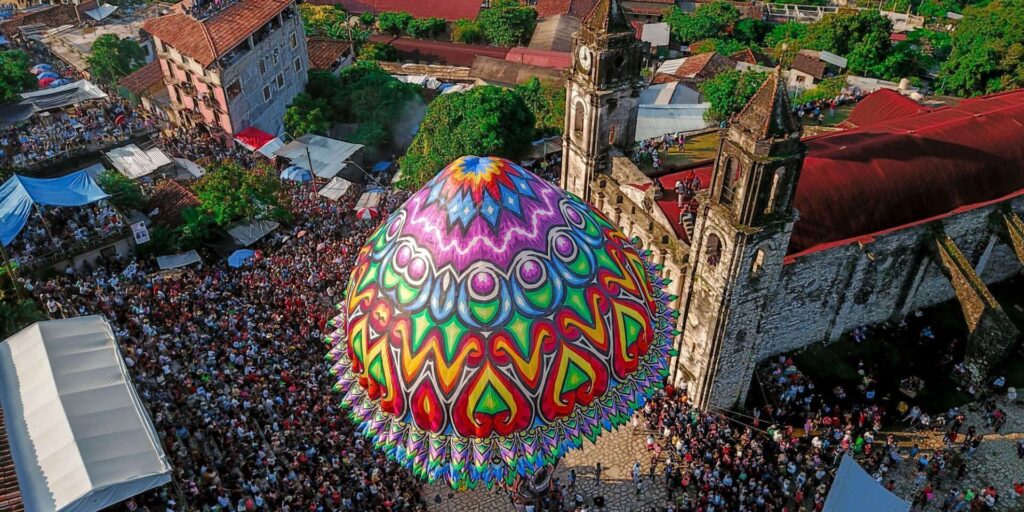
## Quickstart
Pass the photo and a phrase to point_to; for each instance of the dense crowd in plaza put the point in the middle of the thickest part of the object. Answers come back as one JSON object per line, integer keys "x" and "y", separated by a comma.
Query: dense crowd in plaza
{"x": 230, "y": 363}
{"x": 201, "y": 147}
{"x": 50, "y": 230}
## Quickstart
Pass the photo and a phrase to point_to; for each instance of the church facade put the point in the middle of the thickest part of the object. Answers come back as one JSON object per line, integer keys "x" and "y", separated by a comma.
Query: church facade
{"x": 792, "y": 241}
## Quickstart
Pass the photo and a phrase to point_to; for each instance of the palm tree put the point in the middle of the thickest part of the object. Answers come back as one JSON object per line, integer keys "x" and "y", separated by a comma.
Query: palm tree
{"x": 15, "y": 315}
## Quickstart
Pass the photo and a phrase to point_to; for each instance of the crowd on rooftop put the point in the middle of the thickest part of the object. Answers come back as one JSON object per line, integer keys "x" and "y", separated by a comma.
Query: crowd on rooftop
{"x": 230, "y": 363}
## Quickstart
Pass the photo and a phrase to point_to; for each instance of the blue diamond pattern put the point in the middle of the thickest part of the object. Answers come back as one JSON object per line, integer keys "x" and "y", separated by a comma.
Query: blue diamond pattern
{"x": 490, "y": 210}
{"x": 510, "y": 200}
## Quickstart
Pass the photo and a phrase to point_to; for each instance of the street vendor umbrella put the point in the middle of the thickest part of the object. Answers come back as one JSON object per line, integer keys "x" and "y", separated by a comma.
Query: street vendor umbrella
{"x": 48, "y": 74}
{"x": 39, "y": 68}
{"x": 45, "y": 82}
{"x": 493, "y": 323}
{"x": 367, "y": 213}
{"x": 296, "y": 173}
{"x": 237, "y": 258}
{"x": 60, "y": 82}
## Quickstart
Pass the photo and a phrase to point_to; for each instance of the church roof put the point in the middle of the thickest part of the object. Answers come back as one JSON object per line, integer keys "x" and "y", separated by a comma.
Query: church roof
{"x": 883, "y": 105}
{"x": 897, "y": 173}
{"x": 607, "y": 17}
{"x": 768, "y": 114}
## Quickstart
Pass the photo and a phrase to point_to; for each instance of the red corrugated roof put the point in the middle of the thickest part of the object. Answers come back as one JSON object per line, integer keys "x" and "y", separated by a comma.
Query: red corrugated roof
{"x": 450, "y": 10}
{"x": 453, "y": 54}
{"x": 575, "y": 8}
{"x": 211, "y": 38}
{"x": 541, "y": 58}
{"x": 883, "y": 105}
{"x": 144, "y": 78}
{"x": 901, "y": 172}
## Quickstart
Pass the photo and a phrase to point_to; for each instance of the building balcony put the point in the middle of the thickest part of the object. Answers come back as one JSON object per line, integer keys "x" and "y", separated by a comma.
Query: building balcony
{"x": 193, "y": 115}
{"x": 170, "y": 80}
{"x": 187, "y": 88}
{"x": 211, "y": 103}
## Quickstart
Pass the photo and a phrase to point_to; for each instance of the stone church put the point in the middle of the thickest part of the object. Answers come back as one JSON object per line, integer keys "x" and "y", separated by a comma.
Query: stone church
{"x": 792, "y": 241}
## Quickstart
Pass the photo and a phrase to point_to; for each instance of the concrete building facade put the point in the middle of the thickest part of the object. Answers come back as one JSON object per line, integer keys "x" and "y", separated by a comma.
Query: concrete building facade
{"x": 232, "y": 68}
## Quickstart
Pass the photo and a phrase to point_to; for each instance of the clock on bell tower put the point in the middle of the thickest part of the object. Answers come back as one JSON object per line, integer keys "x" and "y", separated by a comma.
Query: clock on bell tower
{"x": 602, "y": 95}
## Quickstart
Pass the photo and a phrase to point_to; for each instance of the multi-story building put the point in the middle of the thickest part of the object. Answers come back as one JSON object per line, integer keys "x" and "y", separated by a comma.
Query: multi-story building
{"x": 231, "y": 65}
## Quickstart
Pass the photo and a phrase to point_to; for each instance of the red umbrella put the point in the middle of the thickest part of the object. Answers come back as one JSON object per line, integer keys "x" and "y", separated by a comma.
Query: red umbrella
{"x": 45, "y": 82}
{"x": 119, "y": 119}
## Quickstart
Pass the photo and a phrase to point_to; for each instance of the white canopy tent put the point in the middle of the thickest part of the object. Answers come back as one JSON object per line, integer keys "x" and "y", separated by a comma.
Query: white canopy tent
{"x": 184, "y": 259}
{"x": 335, "y": 189}
{"x": 80, "y": 438}
{"x": 329, "y": 156}
{"x": 854, "y": 490}
{"x": 247, "y": 234}
{"x": 368, "y": 205}
{"x": 101, "y": 11}
{"x": 188, "y": 165}
{"x": 134, "y": 162}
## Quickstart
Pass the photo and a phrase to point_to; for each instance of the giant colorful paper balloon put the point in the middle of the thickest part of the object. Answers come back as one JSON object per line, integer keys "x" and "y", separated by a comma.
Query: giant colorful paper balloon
{"x": 493, "y": 323}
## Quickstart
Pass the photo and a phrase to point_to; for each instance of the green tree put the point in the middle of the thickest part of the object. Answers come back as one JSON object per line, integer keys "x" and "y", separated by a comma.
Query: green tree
{"x": 507, "y": 22}
{"x": 230, "y": 193}
{"x": 426, "y": 27}
{"x": 987, "y": 50}
{"x": 937, "y": 9}
{"x": 307, "y": 115}
{"x": 710, "y": 20}
{"x": 195, "y": 229}
{"x": 783, "y": 32}
{"x": 125, "y": 193}
{"x": 318, "y": 20}
{"x": 751, "y": 31}
{"x": 367, "y": 18}
{"x": 721, "y": 46}
{"x": 16, "y": 315}
{"x": 547, "y": 103}
{"x": 826, "y": 89}
{"x": 378, "y": 52}
{"x": 484, "y": 121}
{"x": 728, "y": 92}
{"x": 467, "y": 31}
{"x": 113, "y": 58}
{"x": 14, "y": 76}
{"x": 393, "y": 22}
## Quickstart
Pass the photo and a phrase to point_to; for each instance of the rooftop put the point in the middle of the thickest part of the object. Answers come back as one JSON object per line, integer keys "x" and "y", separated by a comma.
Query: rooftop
{"x": 144, "y": 79}
{"x": 578, "y": 9}
{"x": 325, "y": 51}
{"x": 425, "y": 50}
{"x": 883, "y": 105}
{"x": 450, "y": 10}
{"x": 696, "y": 67}
{"x": 207, "y": 40}
{"x": 170, "y": 198}
{"x": 809, "y": 65}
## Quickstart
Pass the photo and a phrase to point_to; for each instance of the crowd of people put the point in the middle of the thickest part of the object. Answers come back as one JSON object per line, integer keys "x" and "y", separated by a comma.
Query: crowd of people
{"x": 230, "y": 363}
{"x": 821, "y": 109}
{"x": 649, "y": 151}
{"x": 201, "y": 147}
{"x": 58, "y": 134}
{"x": 55, "y": 229}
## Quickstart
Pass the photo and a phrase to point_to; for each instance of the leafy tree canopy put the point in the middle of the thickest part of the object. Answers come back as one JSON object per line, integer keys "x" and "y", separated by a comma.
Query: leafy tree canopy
{"x": 426, "y": 27}
{"x": 14, "y": 75}
{"x": 394, "y": 22}
{"x": 547, "y": 102}
{"x": 230, "y": 193}
{"x": 15, "y": 315}
{"x": 507, "y": 22}
{"x": 710, "y": 20}
{"x": 729, "y": 91}
{"x": 724, "y": 47}
{"x": 825, "y": 90}
{"x": 125, "y": 193}
{"x": 750, "y": 31}
{"x": 113, "y": 58}
{"x": 468, "y": 32}
{"x": 308, "y": 115}
{"x": 378, "y": 52}
{"x": 484, "y": 121}
{"x": 987, "y": 50}
{"x": 319, "y": 20}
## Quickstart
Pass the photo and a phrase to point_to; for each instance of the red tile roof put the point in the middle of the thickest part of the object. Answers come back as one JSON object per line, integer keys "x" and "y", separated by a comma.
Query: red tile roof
{"x": 207, "y": 40}
{"x": 700, "y": 67}
{"x": 575, "y": 8}
{"x": 883, "y": 105}
{"x": 144, "y": 79}
{"x": 452, "y": 54}
{"x": 325, "y": 51}
{"x": 450, "y": 10}
{"x": 809, "y": 65}
{"x": 897, "y": 173}
{"x": 171, "y": 198}
{"x": 541, "y": 58}
{"x": 10, "y": 493}
{"x": 751, "y": 57}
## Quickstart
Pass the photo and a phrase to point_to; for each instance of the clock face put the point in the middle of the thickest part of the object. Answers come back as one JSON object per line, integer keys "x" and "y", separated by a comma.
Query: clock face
{"x": 584, "y": 58}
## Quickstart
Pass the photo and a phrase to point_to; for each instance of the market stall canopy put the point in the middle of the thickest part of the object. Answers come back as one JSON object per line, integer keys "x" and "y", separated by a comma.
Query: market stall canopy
{"x": 193, "y": 168}
{"x": 178, "y": 260}
{"x": 102, "y": 11}
{"x": 370, "y": 200}
{"x": 237, "y": 258}
{"x": 255, "y": 139}
{"x": 134, "y": 162}
{"x": 854, "y": 490}
{"x": 63, "y": 96}
{"x": 296, "y": 173}
{"x": 335, "y": 189}
{"x": 80, "y": 438}
{"x": 247, "y": 234}
{"x": 329, "y": 156}
{"x": 19, "y": 193}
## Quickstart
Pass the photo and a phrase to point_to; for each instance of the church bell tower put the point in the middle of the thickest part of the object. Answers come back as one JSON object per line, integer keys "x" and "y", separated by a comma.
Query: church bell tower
{"x": 602, "y": 95}
{"x": 744, "y": 222}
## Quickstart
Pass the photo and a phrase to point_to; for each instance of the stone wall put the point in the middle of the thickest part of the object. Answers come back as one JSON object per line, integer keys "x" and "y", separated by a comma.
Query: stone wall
{"x": 826, "y": 293}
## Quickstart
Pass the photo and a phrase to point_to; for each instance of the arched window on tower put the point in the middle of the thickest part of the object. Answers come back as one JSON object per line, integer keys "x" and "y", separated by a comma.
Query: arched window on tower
{"x": 773, "y": 197}
{"x": 730, "y": 180}
{"x": 714, "y": 250}
{"x": 578, "y": 115}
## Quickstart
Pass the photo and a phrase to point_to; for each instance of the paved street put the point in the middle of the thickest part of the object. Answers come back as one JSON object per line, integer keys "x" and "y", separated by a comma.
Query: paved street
{"x": 617, "y": 451}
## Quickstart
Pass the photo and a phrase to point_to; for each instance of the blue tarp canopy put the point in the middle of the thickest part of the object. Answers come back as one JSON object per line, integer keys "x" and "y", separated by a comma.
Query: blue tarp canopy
{"x": 382, "y": 166}
{"x": 854, "y": 491}
{"x": 19, "y": 193}
{"x": 296, "y": 173}
{"x": 237, "y": 258}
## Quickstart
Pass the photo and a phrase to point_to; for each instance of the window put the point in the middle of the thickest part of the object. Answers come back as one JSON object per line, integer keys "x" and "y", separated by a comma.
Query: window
{"x": 280, "y": 80}
{"x": 263, "y": 67}
{"x": 714, "y": 250}
{"x": 298, "y": 65}
{"x": 234, "y": 89}
{"x": 755, "y": 269}
{"x": 800, "y": 79}
{"x": 294, "y": 40}
{"x": 730, "y": 180}
{"x": 266, "y": 93}
{"x": 611, "y": 136}
{"x": 774, "y": 195}
{"x": 578, "y": 113}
